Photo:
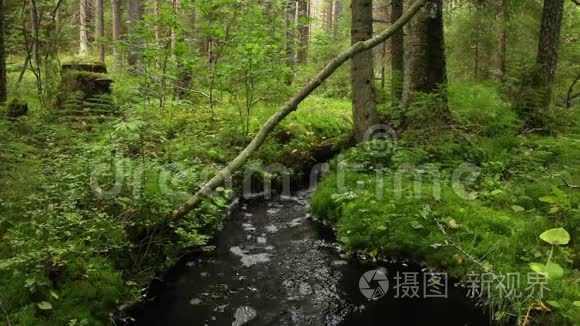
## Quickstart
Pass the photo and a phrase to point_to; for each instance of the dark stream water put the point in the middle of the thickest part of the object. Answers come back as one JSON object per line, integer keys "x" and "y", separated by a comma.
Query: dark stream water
{"x": 274, "y": 266}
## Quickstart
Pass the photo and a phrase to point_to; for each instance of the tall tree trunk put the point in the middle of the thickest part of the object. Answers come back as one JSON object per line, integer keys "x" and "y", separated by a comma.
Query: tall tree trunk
{"x": 116, "y": 18}
{"x": 549, "y": 44}
{"x": 397, "y": 55}
{"x": 291, "y": 37}
{"x": 503, "y": 40}
{"x": 364, "y": 109}
{"x": 100, "y": 29}
{"x": 425, "y": 65}
{"x": 34, "y": 31}
{"x": 303, "y": 31}
{"x": 83, "y": 28}
{"x": 3, "y": 83}
{"x": 135, "y": 16}
{"x": 338, "y": 5}
{"x": 290, "y": 106}
{"x": 536, "y": 92}
{"x": 329, "y": 15}
{"x": 186, "y": 19}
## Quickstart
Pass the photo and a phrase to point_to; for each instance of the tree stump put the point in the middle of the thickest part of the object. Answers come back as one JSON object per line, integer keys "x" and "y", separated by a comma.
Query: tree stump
{"x": 85, "y": 93}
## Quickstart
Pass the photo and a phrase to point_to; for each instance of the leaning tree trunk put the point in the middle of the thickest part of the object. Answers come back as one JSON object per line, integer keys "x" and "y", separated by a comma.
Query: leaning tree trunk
{"x": 3, "y": 86}
{"x": 536, "y": 94}
{"x": 83, "y": 31}
{"x": 425, "y": 66}
{"x": 397, "y": 56}
{"x": 364, "y": 107}
{"x": 288, "y": 108}
{"x": 303, "y": 31}
{"x": 100, "y": 29}
{"x": 116, "y": 20}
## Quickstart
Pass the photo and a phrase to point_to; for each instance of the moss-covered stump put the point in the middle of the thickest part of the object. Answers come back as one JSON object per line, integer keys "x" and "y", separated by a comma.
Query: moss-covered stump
{"x": 16, "y": 109}
{"x": 85, "y": 93}
{"x": 90, "y": 67}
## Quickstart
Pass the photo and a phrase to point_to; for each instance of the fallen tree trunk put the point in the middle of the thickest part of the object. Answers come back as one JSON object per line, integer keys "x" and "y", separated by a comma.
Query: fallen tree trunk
{"x": 291, "y": 106}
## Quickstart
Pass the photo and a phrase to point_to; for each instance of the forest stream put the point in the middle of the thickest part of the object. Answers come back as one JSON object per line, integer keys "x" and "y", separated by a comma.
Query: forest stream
{"x": 274, "y": 265}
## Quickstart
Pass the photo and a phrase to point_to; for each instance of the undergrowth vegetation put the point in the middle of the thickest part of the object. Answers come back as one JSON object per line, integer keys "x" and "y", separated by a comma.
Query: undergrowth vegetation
{"x": 83, "y": 202}
{"x": 471, "y": 199}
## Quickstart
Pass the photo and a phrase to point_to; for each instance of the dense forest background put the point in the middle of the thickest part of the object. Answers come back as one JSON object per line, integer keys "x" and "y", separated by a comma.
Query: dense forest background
{"x": 114, "y": 113}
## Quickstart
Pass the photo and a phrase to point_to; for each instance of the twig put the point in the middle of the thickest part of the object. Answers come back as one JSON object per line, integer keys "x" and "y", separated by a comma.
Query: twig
{"x": 566, "y": 183}
{"x": 569, "y": 96}
{"x": 476, "y": 261}
{"x": 8, "y": 322}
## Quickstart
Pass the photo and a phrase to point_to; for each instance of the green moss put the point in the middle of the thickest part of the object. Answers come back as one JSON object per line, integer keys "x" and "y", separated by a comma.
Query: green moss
{"x": 499, "y": 227}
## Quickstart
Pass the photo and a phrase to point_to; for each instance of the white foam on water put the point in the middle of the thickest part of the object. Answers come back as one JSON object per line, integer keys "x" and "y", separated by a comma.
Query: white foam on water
{"x": 243, "y": 315}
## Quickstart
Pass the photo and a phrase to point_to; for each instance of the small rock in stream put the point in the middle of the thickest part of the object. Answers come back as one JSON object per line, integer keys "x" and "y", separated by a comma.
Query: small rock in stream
{"x": 194, "y": 301}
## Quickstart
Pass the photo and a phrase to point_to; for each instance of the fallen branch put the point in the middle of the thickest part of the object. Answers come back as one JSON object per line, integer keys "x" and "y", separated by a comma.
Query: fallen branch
{"x": 291, "y": 106}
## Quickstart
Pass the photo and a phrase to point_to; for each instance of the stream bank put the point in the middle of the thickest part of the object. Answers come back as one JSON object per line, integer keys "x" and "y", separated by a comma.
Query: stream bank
{"x": 273, "y": 265}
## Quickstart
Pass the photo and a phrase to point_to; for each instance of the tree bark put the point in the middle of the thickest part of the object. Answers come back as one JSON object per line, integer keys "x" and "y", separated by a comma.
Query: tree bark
{"x": 338, "y": 5}
{"x": 536, "y": 93}
{"x": 397, "y": 56}
{"x": 291, "y": 37}
{"x": 549, "y": 43}
{"x": 364, "y": 107}
{"x": 83, "y": 30}
{"x": 3, "y": 83}
{"x": 100, "y": 29}
{"x": 329, "y": 15}
{"x": 291, "y": 31}
{"x": 116, "y": 20}
{"x": 290, "y": 106}
{"x": 303, "y": 31}
{"x": 135, "y": 8}
{"x": 425, "y": 66}
{"x": 503, "y": 41}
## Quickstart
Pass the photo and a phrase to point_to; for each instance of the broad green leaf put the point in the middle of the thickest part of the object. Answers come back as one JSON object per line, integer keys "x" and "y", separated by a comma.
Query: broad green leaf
{"x": 517, "y": 208}
{"x": 551, "y": 270}
{"x": 577, "y": 303}
{"x": 554, "y": 270}
{"x": 45, "y": 305}
{"x": 557, "y": 236}
{"x": 554, "y": 210}
{"x": 554, "y": 303}
{"x": 549, "y": 199}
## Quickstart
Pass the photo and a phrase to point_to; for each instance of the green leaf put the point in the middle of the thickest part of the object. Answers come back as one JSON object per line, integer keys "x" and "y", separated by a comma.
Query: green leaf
{"x": 551, "y": 270}
{"x": 577, "y": 303}
{"x": 549, "y": 199}
{"x": 517, "y": 208}
{"x": 553, "y": 303}
{"x": 54, "y": 294}
{"x": 554, "y": 210}
{"x": 557, "y": 236}
{"x": 45, "y": 305}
